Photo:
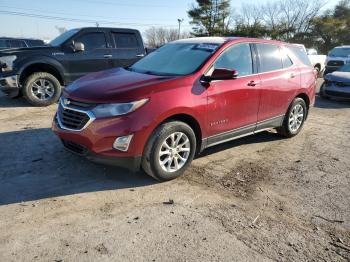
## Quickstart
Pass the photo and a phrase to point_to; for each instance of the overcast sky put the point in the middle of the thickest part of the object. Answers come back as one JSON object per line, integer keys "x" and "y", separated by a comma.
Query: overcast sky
{"x": 14, "y": 20}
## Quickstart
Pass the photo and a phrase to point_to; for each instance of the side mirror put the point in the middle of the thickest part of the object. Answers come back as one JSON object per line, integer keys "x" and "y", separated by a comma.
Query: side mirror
{"x": 79, "y": 47}
{"x": 220, "y": 74}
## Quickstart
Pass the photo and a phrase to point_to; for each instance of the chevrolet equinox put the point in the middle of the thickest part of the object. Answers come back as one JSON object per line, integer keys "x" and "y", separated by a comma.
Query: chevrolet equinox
{"x": 184, "y": 97}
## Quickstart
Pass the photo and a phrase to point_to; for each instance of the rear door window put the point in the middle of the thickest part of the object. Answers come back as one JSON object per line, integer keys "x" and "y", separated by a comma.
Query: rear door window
{"x": 270, "y": 57}
{"x": 92, "y": 41}
{"x": 17, "y": 43}
{"x": 125, "y": 40}
{"x": 237, "y": 57}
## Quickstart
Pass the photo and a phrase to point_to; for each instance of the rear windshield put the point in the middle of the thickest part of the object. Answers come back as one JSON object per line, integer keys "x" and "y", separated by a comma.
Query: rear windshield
{"x": 175, "y": 59}
{"x": 342, "y": 52}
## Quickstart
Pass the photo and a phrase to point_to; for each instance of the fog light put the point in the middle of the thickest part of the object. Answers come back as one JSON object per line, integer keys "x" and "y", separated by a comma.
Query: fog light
{"x": 122, "y": 143}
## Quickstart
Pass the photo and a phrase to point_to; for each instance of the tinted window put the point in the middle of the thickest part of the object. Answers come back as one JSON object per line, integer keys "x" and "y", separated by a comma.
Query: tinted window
{"x": 17, "y": 43}
{"x": 287, "y": 62}
{"x": 270, "y": 57}
{"x": 35, "y": 43}
{"x": 237, "y": 57}
{"x": 301, "y": 55}
{"x": 123, "y": 40}
{"x": 3, "y": 43}
{"x": 175, "y": 59}
{"x": 92, "y": 41}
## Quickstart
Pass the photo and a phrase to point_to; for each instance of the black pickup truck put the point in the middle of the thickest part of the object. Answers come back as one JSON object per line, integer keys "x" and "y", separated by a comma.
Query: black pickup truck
{"x": 39, "y": 73}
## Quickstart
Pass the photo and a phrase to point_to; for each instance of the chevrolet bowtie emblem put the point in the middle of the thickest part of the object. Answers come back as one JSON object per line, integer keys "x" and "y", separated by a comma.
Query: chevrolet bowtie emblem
{"x": 66, "y": 102}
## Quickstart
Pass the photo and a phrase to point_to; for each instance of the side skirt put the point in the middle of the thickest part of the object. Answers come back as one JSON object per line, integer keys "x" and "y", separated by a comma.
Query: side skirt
{"x": 242, "y": 132}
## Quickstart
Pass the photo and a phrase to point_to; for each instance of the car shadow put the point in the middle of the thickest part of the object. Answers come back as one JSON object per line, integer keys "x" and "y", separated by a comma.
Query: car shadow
{"x": 34, "y": 165}
{"x": 266, "y": 136}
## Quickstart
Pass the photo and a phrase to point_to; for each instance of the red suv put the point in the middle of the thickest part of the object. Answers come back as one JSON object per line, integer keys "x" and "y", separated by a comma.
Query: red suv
{"x": 184, "y": 97}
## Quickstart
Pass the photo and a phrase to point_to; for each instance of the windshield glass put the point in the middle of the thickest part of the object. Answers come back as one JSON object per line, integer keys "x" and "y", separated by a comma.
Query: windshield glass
{"x": 63, "y": 37}
{"x": 345, "y": 68}
{"x": 342, "y": 52}
{"x": 175, "y": 59}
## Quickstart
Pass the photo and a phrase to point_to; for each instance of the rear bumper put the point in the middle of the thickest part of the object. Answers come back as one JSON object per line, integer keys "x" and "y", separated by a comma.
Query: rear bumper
{"x": 131, "y": 163}
{"x": 9, "y": 85}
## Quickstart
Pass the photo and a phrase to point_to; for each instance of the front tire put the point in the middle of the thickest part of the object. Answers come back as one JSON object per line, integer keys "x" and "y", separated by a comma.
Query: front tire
{"x": 294, "y": 119}
{"x": 169, "y": 151}
{"x": 42, "y": 89}
{"x": 321, "y": 93}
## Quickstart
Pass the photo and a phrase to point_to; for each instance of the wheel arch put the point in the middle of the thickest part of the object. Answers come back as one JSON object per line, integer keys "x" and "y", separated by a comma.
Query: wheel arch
{"x": 41, "y": 66}
{"x": 192, "y": 122}
{"x": 306, "y": 98}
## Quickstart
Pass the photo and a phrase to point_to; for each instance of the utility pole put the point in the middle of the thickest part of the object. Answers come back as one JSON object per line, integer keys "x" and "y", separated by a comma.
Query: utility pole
{"x": 180, "y": 21}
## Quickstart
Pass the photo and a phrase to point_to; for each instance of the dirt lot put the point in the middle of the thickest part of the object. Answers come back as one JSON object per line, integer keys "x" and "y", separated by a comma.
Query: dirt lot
{"x": 261, "y": 198}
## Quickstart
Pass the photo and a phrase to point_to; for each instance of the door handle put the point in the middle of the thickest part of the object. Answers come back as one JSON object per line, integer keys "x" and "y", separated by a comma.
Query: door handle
{"x": 252, "y": 83}
{"x": 140, "y": 55}
{"x": 107, "y": 56}
{"x": 292, "y": 75}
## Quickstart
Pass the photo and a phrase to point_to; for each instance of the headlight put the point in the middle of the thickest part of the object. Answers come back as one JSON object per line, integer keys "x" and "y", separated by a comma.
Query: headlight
{"x": 6, "y": 63}
{"x": 109, "y": 110}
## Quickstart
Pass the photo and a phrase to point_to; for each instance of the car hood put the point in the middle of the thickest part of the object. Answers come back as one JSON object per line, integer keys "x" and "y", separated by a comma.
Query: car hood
{"x": 19, "y": 51}
{"x": 338, "y": 76}
{"x": 116, "y": 85}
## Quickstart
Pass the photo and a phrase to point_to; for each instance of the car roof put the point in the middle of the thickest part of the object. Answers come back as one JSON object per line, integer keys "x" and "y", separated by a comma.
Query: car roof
{"x": 343, "y": 46}
{"x": 222, "y": 40}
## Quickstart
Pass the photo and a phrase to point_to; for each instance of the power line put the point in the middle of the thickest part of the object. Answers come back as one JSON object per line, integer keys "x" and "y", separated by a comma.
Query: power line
{"x": 58, "y": 18}
{"x": 82, "y": 15}
{"x": 121, "y": 4}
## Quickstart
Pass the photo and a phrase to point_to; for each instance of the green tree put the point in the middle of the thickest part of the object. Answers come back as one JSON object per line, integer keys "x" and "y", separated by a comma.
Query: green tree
{"x": 332, "y": 28}
{"x": 210, "y": 17}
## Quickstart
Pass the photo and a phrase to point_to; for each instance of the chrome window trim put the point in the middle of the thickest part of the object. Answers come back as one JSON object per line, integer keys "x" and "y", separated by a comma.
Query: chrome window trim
{"x": 88, "y": 113}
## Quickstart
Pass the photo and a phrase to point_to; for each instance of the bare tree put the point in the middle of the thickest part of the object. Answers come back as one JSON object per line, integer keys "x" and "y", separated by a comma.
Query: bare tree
{"x": 158, "y": 36}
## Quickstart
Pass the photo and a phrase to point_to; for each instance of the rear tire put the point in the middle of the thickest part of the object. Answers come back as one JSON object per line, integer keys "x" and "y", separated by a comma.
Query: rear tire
{"x": 294, "y": 119}
{"x": 42, "y": 89}
{"x": 169, "y": 151}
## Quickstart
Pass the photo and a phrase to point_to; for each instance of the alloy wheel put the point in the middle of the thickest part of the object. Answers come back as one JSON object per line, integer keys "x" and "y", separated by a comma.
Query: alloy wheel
{"x": 174, "y": 152}
{"x": 296, "y": 118}
{"x": 43, "y": 89}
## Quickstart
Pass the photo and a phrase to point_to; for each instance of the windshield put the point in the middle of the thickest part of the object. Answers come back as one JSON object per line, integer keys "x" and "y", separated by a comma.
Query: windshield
{"x": 342, "y": 52}
{"x": 63, "y": 37}
{"x": 175, "y": 59}
{"x": 345, "y": 68}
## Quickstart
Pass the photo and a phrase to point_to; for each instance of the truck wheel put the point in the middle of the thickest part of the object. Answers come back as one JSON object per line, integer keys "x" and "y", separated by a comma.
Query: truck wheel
{"x": 169, "y": 151}
{"x": 42, "y": 89}
{"x": 294, "y": 119}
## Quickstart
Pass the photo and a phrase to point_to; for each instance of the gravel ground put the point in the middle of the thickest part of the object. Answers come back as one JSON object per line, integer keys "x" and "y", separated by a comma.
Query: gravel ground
{"x": 260, "y": 198}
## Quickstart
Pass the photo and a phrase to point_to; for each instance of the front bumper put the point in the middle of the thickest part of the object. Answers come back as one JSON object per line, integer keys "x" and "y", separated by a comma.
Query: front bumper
{"x": 9, "y": 85}
{"x": 333, "y": 90}
{"x": 131, "y": 163}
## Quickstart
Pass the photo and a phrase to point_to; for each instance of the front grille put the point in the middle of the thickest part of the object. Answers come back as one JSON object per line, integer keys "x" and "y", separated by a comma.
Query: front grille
{"x": 339, "y": 84}
{"x": 81, "y": 104}
{"x": 78, "y": 149}
{"x": 335, "y": 63}
{"x": 72, "y": 118}
{"x": 338, "y": 94}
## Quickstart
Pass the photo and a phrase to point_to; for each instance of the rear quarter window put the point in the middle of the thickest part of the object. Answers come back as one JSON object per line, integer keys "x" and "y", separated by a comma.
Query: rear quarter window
{"x": 300, "y": 54}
